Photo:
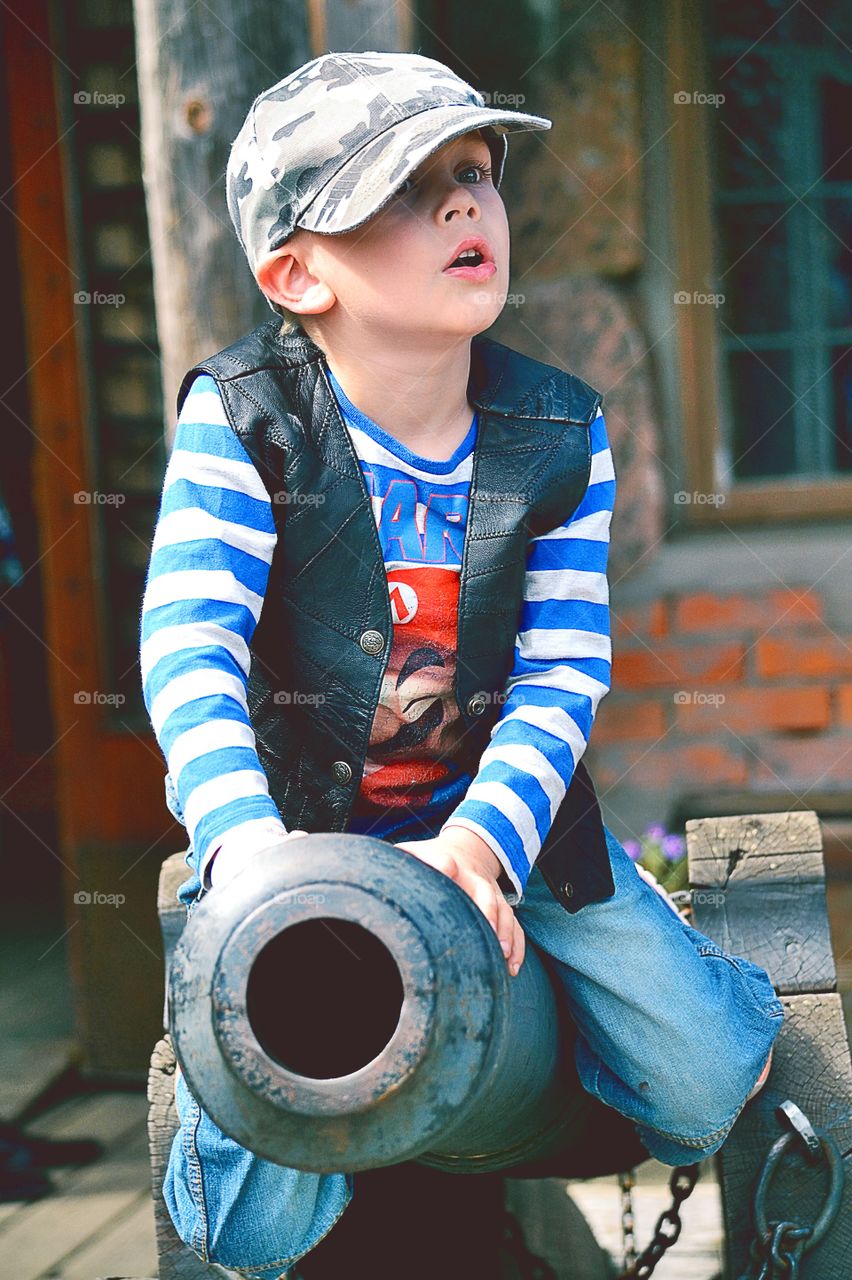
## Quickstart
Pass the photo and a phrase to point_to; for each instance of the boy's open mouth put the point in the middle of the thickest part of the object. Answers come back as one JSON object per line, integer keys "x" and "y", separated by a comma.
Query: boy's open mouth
{"x": 470, "y": 258}
{"x": 473, "y": 259}
{"x": 471, "y": 253}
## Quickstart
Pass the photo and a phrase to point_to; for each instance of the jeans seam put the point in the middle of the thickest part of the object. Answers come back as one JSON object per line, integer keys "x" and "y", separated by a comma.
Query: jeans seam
{"x": 200, "y": 1236}
{"x": 775, "y": 1009}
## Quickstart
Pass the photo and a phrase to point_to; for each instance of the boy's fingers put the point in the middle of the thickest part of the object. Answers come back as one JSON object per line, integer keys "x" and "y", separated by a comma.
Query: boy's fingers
{"x": 516, "y": 959}
{"x": 507, "y": 930}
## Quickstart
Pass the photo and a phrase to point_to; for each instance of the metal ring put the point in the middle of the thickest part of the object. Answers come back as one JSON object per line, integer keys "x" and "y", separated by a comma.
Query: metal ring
{"x": 832, "y": 1203}
{"x": 802, "y": 1126}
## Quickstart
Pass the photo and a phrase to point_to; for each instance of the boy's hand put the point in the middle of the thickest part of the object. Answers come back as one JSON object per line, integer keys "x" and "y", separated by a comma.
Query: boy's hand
{"x": 231, "y": 858}
{"x": 468, "y": 860}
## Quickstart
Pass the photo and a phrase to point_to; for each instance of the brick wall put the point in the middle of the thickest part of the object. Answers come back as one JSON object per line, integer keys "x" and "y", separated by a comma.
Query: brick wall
{"x": 726, "y": 693}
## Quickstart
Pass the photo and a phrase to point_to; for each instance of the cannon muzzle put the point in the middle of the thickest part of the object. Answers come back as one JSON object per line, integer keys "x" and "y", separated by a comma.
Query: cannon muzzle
{"x": 344, "y": 1006}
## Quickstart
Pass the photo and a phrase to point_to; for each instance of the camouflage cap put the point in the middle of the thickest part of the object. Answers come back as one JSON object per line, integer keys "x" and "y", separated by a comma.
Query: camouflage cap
{"x": 326, "y": 147}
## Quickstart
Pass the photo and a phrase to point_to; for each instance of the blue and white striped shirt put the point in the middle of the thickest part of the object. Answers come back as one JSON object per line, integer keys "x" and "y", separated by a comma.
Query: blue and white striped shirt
{"x": 207, "y": 577}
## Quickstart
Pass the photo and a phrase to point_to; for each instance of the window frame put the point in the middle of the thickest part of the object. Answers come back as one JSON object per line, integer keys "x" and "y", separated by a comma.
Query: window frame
{"x": 700, "y": 365}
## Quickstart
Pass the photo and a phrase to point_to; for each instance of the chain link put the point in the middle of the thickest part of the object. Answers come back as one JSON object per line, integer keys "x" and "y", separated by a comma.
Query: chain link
{"x": 778, "y": 1246}
{"x": 681, "y": 1184}
{"x": 627, "y": 1181}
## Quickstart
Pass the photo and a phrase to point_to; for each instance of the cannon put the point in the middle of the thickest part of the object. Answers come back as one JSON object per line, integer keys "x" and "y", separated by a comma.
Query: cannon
{"x": 345, "y": 1006}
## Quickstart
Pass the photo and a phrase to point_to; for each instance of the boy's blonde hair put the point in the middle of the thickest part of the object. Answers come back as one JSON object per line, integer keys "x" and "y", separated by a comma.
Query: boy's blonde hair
{"x": 290, "y": 321}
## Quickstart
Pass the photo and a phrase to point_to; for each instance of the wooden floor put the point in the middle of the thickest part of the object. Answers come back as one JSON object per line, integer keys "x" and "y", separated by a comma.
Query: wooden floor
{"x": 99, "y": 1221}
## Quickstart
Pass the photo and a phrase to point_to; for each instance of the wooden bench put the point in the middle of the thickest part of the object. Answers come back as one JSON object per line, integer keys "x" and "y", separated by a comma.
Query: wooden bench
{"x": 758, "y": 890}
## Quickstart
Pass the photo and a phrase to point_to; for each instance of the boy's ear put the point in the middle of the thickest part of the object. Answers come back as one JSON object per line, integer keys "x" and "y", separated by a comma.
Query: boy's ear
{"x": 285, "y": 278}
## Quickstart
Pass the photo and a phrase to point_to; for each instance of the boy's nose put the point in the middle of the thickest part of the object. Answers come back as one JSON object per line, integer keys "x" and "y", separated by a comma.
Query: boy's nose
{"x": 462, "y": 199}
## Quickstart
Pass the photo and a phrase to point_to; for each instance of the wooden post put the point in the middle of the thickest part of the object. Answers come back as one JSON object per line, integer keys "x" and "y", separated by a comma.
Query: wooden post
{"x": 200, "y": 67}
{"x": 759, "y": 891}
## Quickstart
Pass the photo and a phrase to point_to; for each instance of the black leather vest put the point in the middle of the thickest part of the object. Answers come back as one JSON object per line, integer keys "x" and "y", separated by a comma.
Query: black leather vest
{"x": 323, "y": 640}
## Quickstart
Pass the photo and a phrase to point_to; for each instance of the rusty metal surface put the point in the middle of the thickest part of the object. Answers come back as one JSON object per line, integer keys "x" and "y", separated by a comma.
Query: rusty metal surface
{"x": 460, "y": 1065}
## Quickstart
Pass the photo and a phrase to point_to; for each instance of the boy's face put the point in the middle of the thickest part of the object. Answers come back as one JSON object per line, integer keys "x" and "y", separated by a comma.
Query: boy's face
{"x": 390, "y": 274}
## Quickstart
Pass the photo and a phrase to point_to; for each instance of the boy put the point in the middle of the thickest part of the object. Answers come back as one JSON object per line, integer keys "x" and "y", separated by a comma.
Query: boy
{"x": 377, "y": 602}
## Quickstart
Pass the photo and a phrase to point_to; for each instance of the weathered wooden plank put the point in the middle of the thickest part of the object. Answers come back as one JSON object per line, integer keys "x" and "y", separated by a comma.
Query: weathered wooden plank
{"x": 43, "y": 1233}
{"x": 176, "y": 1260}
{"x": 100, "y": 1116}
{"x": 748, "y": 863}
{"x": 811, "y": 1066}
{"x": 29, "y": 1067}
{"x": 759, "y": 891}
{"x": 172, "y": 914}
{"x": 766, "y": 833}
{"x": 126, "y": 1245}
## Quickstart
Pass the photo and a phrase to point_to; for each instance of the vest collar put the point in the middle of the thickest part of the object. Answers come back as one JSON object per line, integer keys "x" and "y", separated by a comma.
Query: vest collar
{"x": 501, "y": 381}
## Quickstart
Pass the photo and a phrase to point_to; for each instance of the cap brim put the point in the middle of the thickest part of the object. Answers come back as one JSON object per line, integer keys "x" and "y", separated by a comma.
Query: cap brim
{"x": 368, "y": 180}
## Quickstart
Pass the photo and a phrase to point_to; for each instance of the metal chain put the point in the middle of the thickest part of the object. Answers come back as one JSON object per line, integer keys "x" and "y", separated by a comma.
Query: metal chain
{"x": 778, "y": 1247}
{"x": 682, "y": 1184}
{"x": 627, "y": 1181}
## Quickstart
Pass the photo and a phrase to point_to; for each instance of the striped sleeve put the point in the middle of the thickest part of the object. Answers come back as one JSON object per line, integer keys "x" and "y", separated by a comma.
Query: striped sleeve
{"x": 204, "y": 591}
{"x": 561, "y": 670}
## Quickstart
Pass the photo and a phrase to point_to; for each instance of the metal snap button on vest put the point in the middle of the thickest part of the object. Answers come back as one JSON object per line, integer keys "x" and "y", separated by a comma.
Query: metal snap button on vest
{"x": 341, "y": 772}
{"x": 477, "y": 704}
{"x": 372, "y": 642}
{"x": 567, "y": 889}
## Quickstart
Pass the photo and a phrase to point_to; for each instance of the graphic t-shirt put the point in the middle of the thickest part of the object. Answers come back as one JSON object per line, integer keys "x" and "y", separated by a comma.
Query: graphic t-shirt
{"x": 420, "y": 509}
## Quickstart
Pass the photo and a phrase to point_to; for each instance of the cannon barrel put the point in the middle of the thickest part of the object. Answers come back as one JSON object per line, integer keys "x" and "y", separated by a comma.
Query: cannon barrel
{"x": 343, "y": 1006}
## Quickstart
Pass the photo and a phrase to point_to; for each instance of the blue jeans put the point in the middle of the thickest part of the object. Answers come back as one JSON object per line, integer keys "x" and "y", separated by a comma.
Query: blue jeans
{"x": 672, "y": 1032}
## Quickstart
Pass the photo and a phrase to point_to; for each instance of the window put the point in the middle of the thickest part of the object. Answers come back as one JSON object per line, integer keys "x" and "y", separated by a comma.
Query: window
{"x": 775, "y": 270}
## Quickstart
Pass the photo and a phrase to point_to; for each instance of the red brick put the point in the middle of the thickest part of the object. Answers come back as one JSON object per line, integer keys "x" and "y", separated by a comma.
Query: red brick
{"x": 679, "y": 667}
{"x": 708, "y": 611}
{"x": 620, "y": 720}
{"x": 791, "y": 656}
{"x": 643, "y": 622}
{"x": 694, "y": 766}
{"x": 819, "y": 764}
{"x": 802, "y": 709}
{"x": 844, "y": 704}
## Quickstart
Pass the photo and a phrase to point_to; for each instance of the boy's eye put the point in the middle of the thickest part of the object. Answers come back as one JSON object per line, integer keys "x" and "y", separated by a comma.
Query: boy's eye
{"x": 483, "y": 170}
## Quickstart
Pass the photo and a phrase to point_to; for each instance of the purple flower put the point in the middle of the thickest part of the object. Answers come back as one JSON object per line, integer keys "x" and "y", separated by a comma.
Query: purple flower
{"x": 656, "y": 832}
{"x": 673, "y": 847}
{"x": 632, "y": 849}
